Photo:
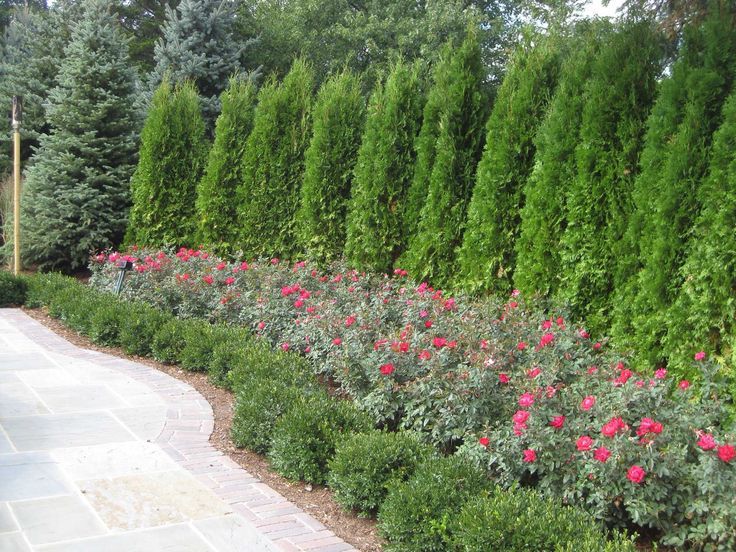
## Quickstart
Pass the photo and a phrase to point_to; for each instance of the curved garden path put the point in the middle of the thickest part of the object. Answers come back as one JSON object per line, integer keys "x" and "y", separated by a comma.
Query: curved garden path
{"x": 101, "y": 453}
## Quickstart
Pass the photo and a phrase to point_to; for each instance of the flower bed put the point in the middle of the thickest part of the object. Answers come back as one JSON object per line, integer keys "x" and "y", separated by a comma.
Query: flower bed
{"x": 527, "y": 395}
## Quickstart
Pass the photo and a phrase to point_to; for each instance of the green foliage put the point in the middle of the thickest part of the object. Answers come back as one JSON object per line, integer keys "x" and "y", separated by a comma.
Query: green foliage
{"x": 367, "y": 464}
{"x": 704, "y": 313}
{"x": 417, "y": 515}
{"x": 33, "y": 48}
{"x": 197, "y": 45}
{"x": 139, "y": 327}
{"x": 329, "y": 161}
{"x": 519, "y": 519}
{"x": 375, "y": 232}
{"x": 266, "y": 384}
{"x": 666, "y": 194}
{"x": 42, "y": 287}
{"x": 216, "y": 192}
{"x": 171, "y": 339}
{"x": 201, "y": 339}
{"x": 229, "y": 354}
{"x": 542, "y": 214}
{"x": 13, "y": 290}
{"x": 105, "y": 322}
{"x": 487, "y": 257}
{"x": 458, "y": 80}
{"x": 172, "y": 158}
{"x": 618, "y": 96}
{"x": 273, "y": 169}
{"x": 76, "y": 191}
{"x": 305, "y": 437}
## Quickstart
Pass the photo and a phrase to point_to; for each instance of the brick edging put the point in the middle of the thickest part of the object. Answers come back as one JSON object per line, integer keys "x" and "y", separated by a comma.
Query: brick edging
{"x": 277, "y": 523}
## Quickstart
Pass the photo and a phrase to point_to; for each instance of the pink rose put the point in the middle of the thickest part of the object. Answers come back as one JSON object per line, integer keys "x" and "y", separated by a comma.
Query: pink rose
{"x": 584, "y": 443}
{"x": 387, "y": 369}
{"x": 521, "y": 346}
{"x": 636, "y": 474}
{"x": 534, "y": 372}
{"x": 726, "y": 452}
{"x": 503, "y": 378}
{"x": 588, "y": 402}
{"x": 601, "y": 454}
{"x": 337, "y": 341}
{"x": 706, "y": 441}
{"x": 439, "y": 342}
{"x": 521, "y": 416}
{"x": 484, "y": 441}
{"x": 557, "y": 422}
{"x": 700, "y": 355}
{"x": 684, "y": 384}
{"x": 530, "y": 456}
{"x": 526, "y": 400}
{"x": 660, "y": 374}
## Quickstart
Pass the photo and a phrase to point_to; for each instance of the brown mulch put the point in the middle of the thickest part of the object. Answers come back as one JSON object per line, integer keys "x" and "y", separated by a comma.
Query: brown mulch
{"x": 316, "y": 500}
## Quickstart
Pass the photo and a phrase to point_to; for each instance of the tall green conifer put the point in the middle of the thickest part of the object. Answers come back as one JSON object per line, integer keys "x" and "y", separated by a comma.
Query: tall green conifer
{"x": 542, "y": 220}
{"x": 329, "y": 162}
{"x": 703, "y": 316}
{"x": 459, "y": 81}
{"x": 681, "y": 129}
{"x": 375, "y": 232}
{"x": 172, "y": 157}
{"x": 618, "y": 97}
{"x": 487, "y": 257}
{"x": 76, "y": 194}
{"x": 273, "y": 168}
{"x": 216, "y": 193}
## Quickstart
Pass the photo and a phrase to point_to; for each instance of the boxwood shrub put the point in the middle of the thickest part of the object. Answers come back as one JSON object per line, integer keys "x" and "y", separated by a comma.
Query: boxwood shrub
{"x": 519, "y": 520}
{"x": 366, "y": 464}
{"x": 12, "y": 290}
{"x": 305, "y": 437}
{"x": 418, "y": 514}
{"x": 139, "y": 326}
{"x": 104, "y": 323}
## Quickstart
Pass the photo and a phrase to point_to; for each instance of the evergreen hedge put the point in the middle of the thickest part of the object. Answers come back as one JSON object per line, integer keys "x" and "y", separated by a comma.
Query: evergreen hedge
{"x": 216, "y": 192}
{"x": 329, "y": 162}
{"x": 542, "y": 220}
{"x": 458, "y": 80}
{"x": 667, "y": 194}
{"x": 172, "y": 157}
{"x": 273, "y": 169}
{"x": 487, "y": 257}
{"x": 705, "y": 309}
{"x": 618, "y": 97}
{"x": 375, "y": 234}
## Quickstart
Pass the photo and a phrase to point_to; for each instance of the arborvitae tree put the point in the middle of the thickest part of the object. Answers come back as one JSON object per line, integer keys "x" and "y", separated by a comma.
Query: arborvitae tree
{"x": 542, "y": 221}
{"x": 375, "y": 232}
{"x": 198, "y": 45}
{"x": 329, "y": 162}
{"x": 172, "y": 158}
{"x": 668, "y": 205}
{"x": 618, "y": 98}
{"x": 216, "y": 193}
{"x": 459, "y": 81}
{"x": 704, "y": 313}
{"x": 76, "y": 193}
{"x": 486, "y": 259}
{"x": 34, "y": 47}
{"x": 273, "y": 169}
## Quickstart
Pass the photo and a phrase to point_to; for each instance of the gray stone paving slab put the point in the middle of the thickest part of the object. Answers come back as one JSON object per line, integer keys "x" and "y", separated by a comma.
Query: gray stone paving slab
{"x": 28, "y": 475}
{"x": 147, "y": 422}
{"x": 77, "y": 398}
{"x": 56, "y": 519}
{"x": 8, "y": 377}
{"x": 13, "y": 542}
{"x": 49, "y": 377}
{"x": 233, "y": 534}
{"x": 112, "y": 460}
{"x": 17, "y": 399}
{"x": 7, "y": 523}
{"x": 24, "y": 361}
{"x": 5, "y": 446}
{"x": 150, "y": 500}
{"x": 64, "y": 430}
{"x": 174, "y": 538}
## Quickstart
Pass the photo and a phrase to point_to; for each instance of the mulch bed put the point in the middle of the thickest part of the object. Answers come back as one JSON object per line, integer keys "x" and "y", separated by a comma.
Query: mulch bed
{"x": 316, "y": 500}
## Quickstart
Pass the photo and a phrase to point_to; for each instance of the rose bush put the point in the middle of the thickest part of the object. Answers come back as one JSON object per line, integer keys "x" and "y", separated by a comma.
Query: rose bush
{"x": 519, "y": 389}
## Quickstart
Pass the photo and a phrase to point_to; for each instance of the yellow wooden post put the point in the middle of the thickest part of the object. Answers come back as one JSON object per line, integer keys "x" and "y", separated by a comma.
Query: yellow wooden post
{"x": 17, "y": 115}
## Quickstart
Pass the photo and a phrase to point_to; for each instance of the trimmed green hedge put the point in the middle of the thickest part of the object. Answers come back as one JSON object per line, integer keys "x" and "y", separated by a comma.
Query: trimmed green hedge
{"x": 13, "y": 290}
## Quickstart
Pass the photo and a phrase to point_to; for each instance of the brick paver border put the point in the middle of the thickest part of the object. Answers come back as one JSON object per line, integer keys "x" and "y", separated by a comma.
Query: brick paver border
{"x": 185, "y": 438}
